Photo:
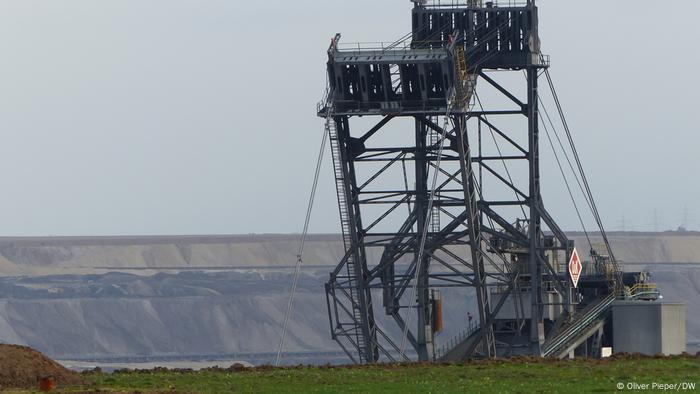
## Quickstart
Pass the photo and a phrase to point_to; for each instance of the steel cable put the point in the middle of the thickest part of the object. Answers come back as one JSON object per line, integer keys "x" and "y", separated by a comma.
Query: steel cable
{"x": 589, "y": 194}
{"x": 566, "y": 182}
{"x": 300, "y": 252}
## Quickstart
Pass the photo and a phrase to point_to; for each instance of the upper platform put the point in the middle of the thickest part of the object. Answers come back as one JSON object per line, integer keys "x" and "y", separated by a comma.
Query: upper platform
{"x": 416, "y": 75}
{"x": 497, "y": 34}
{"x": 366, "y": 79}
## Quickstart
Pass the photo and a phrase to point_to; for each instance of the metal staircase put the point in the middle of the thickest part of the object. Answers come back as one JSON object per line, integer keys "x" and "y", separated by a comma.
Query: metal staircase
{"x": 466, "y": 83}
{"x": 578, "y": 330}
{"x": 456, "y": 347}
{"x": 340, "y": 186}
{"x": 356, "y": 329}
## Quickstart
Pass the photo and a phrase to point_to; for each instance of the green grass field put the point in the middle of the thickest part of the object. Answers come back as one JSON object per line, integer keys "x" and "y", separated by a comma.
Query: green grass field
{"x": 511, "y": 376}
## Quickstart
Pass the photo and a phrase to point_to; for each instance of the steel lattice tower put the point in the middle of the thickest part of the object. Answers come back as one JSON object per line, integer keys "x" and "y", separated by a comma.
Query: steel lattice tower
{"x": 506, "y": 248}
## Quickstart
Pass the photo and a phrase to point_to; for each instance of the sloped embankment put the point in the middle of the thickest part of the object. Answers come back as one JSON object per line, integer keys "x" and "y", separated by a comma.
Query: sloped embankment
{"x": 22, "y": 367}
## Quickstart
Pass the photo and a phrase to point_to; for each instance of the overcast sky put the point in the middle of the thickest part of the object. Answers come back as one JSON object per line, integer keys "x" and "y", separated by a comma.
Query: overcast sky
{"x": 198, "y": 116}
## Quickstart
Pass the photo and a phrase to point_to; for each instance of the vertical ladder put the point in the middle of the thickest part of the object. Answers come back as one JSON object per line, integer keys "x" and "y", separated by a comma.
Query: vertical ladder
{"x": 465, "y": 83}
{"x": 351, "y": 264}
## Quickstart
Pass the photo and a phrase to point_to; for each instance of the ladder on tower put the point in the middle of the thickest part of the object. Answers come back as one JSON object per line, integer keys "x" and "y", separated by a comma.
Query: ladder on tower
{"x": 358, "y": 322}
{"x": 466, "y": 83}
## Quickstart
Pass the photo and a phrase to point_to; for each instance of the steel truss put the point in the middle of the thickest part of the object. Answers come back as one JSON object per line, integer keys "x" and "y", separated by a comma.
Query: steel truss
{"x": 507, "y": 255}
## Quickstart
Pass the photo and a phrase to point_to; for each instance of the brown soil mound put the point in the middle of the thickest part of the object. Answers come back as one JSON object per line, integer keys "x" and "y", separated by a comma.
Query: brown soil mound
{"x": 22, "y": 367}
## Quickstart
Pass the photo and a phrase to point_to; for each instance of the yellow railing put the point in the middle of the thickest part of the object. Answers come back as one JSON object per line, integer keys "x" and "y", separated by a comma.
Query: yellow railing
{"x": 646, "y": 290}
{"x": 642, "y": 288}
{"x": 463, "y": 81}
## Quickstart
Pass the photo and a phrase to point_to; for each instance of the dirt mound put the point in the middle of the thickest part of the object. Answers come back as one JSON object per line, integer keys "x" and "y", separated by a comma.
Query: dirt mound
{"x": 22, "y": 367}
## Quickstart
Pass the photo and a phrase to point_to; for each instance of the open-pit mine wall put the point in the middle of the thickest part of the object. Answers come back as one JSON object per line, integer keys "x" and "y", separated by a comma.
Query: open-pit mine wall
{"x": 224, "y": 296}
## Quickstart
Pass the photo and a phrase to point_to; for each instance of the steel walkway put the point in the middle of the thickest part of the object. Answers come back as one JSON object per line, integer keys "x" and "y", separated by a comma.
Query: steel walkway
{"x": 586, "y": 323}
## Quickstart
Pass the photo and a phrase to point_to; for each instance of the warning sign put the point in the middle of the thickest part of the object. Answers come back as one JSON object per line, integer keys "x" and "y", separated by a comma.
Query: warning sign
{"x": 575, "y": 268}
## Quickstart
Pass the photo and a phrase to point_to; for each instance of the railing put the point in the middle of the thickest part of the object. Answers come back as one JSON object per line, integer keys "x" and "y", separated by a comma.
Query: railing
{"x": 642, "y": 287}
{"x": 455, "y": 340}
{"x": 577, "y": 326}
{"x": 644, "y": 291}
{"x": 382, "y": 48}
{"x": 325, "y": 100}
{"x": 436, "y": 106}
{"x": 475, "y": 3}
{"x": 373, "y": 46}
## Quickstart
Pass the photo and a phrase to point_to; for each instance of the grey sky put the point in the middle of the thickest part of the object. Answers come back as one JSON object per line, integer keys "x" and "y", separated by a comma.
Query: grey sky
{"x": 197, "y": 116}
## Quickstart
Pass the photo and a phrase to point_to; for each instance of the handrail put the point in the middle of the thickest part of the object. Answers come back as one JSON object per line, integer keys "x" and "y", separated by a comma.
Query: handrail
{"x": 643, "y": 286}
{"x": 326, "y": 100}
{"x": 475, "y": 3}
{"x": 455, "y": 341}
{"x": 639, "y": 295}
{"x": 382, "y": 48}
{"x": 579, "y": 324}
{"x": 643, "y": 289}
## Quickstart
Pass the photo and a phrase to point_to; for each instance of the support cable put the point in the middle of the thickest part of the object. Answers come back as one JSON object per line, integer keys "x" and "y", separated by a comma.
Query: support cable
{"x": 566, "y": 182}
{"x": 596, "y": 213}
{"x": 302, "y": 241}
{"x": 566, "y": 155}
{"x": 573, "y": 171}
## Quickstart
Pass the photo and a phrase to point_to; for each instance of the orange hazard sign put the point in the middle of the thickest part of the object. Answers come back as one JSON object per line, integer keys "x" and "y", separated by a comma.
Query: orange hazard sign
{"x": 575, "y": 268}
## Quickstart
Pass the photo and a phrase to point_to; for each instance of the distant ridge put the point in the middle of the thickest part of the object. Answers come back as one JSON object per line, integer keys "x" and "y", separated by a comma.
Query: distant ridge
{"x": 244, "y": 238}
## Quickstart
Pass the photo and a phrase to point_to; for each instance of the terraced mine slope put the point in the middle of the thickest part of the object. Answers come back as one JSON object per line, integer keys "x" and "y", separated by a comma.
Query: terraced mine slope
{"x": 135, "y": 299}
